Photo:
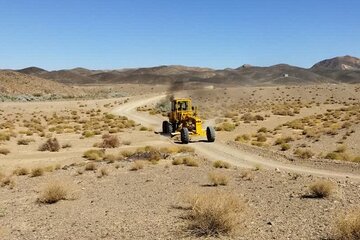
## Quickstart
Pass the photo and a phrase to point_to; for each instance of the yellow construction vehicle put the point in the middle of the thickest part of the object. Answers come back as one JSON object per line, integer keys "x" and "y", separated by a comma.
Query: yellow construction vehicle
{"x": 184, "y": 121}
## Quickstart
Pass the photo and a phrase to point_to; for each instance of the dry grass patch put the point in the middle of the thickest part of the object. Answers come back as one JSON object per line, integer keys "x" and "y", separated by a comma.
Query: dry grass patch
{"x": 348, "y": 226}
{"x": 25, "y": 141}
{"x": 190, "y": 162}
{"x": 321, "y": 189}
{"x": 137, "y": 165}
{"x": 7, "y": 181}
{"x": 109, "y": 141}
{"x": 218, "y": 178}
{"x": 90, "y": 166}
{"x": 221, "y": 164}
{"x": 303, "y": 153}
{"x": 103, "y": 172}
{"x": 54, "y": 192}
{"x": 214, "y": 213}
{"x": 4, "y": 151}
{"x": 51, "y": 145}
{"x": 21, "y": 171}
{"x": 94, "y": 154}
{"x": 37, "y": 172}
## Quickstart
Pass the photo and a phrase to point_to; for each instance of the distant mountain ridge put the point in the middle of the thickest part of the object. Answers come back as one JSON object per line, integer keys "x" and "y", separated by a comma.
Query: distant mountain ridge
{"x": 336, "y": 70}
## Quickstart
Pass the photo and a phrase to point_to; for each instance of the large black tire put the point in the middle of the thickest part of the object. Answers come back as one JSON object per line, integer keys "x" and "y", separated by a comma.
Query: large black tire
{"x": 184, "y": 134}
{"x": 210, "y": 134}
{"x": 167, "y": 127}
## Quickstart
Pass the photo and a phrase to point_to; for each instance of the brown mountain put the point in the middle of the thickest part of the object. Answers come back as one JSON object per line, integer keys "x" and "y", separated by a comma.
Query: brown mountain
{"x": 14, "y": 83}
{"x": 342, "y": 69}
{"x": 32, "y": 70}
{"x": 327, "y": 71}
{"x": 339, "y": 63}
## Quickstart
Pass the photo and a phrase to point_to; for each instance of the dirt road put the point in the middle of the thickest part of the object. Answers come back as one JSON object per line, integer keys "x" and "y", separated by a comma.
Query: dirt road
{"x": 221, "y": 151}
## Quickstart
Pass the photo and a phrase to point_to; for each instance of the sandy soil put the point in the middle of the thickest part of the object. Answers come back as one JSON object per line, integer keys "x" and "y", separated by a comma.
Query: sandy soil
{"x": 144, "y": 204}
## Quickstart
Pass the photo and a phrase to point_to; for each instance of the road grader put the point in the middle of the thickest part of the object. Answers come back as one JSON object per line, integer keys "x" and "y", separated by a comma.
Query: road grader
{"x": 184, "y": 121}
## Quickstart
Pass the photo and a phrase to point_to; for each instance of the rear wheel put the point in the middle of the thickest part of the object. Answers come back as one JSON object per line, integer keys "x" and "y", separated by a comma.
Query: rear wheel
{"x": 167, "y": 127}
{"x": 210, "y": 134}
{"x": 184, "y": 133}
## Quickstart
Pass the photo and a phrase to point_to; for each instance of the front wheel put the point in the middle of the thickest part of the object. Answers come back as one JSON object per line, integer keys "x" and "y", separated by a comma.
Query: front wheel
{"x": 184, "y": 134}
{"x": 167, "y": 127}
{"x": 210, "y": 134}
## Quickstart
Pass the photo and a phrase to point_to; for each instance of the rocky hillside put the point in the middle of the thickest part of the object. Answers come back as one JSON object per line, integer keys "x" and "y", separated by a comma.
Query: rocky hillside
{"x": 337, "y": 70}
{"x": 15, "y": 83}
{"x": 342, "y": 69}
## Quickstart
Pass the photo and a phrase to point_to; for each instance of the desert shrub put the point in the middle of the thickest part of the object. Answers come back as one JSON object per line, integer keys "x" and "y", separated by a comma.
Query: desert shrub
{"x": 247, "y": 175}
{"x": 88, "y": 134}
{"x": 283, "y": 140}
{"x": 90, "y": 166}
{"x": 261, "y": 137}
{"x": 262, "y": 130}
{"x": 7, "y": 181}
{"x": 52, "y": 145}
{"x": 242, "y": 138}
{"x": 66, "y": 145}
{"x": 185, "y": 149}
{"x": 190, "y": 162}
{"x": 226, "y": 126}
{"x": 303, "y": 153}
{"x": 37, "y": 172}
{"x": 214, "y": 213}
{"x": 177, "y": 161}
{"x": 53, "y": 192}
{"x": 126, "y": 142}
{"x": 5, "y": 136}
{"x": 21, "y": 171}
{"x": 94, "y": 154}
{"x": 285, "y": 147}
{"x": 137, "y": 165}
{"x": 143, "y": 128}
{"x": 321, "y": 189}
{"x": 357, "y": 159}
{"x": 103, "y": 172}
{"x": 348, "y": 226}
{"x": 221, "y": 164}
{"x": 338, "y": 156}
{"x": 25, "y": 141}
{"x": 109, "y": 141}
{"x": 217, "y": 178}
{"x": 4, "y": 151}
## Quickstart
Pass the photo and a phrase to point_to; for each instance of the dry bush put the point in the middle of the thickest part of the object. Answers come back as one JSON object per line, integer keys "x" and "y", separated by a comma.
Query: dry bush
{"x": 262, "y": 130}
{"x": 247, "y": 175}
{"x": 285, "y": 147}
{"x": 321, "y": 189}
{"x": 356, "y": 159}
{"x": 338, "y": 156}
{"x": 126, "y": 142}
{"x": 94, "y": 154}
{"x": 4, "y": 151}
{"x": 7, "y": 181}
{"x": 25, "y": 141}
{"x": 283, "y": 140}
{"x": 53, "y": 192}
{"x": 36, "y": 172}
{"x": 66, "y": 145}
{"x": 21, "y": 171}
{"x": 261, "y": 138}
{"x": 103, "y": 172}
{"x": 226, "y": 126}
{"x": 185, "y": 149}
{"x": 52, "y": 145}
{"x": 242, "y": 138}
{"x": 214, "y": 213}
{"x": 303, "y": 153}
{"x": 348, "y": 226}
{"x": 90, "y": 166}
{"x": 137, "y": 165}
{"x": 221, "y": 164}
{"x": 177, "y": 161}
{"x": 109, "y": 141}
{"x": 218, "y": 178}
{"x": 190, "y": 162}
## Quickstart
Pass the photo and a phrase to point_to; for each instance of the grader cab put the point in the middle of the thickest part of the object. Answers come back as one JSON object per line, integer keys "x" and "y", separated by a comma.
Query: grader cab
{"x": 184, "y": 121}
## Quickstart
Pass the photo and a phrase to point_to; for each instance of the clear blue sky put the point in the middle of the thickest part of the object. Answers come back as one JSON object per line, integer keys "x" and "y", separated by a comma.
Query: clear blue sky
{"x": 107, "y": 34}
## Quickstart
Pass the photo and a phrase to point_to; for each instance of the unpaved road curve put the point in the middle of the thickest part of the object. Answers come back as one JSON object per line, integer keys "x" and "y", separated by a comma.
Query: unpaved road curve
{"x": 221, "y": 151}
